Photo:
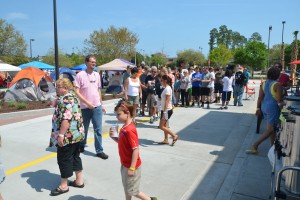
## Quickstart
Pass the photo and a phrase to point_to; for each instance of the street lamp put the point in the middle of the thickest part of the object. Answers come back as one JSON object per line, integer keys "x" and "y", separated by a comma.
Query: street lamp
{"x": 200, "y": 49}
{"x": 31, "y": 40}
{"x": 282, "y": 47}
{"x": 268, "y": 65}
{"x": 55, "y": 41}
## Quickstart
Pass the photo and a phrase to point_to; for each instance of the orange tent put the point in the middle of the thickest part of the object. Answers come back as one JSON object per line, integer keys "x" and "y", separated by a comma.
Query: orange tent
{"x": 32, "y": 73}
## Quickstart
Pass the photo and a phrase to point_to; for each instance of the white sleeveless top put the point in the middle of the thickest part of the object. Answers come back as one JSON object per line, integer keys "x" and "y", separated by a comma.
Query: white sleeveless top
{"x": 133, "y": 87}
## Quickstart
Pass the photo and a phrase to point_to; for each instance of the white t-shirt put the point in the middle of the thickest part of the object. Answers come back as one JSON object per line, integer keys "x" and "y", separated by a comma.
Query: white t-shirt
{"x": 227, "y": 84}
{"x": 212, "y": 82}
{"x": 165, "y": 92}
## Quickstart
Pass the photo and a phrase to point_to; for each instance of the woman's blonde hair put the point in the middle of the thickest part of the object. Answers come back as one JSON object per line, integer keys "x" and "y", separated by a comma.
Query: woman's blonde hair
{"x": 65, "y": 82}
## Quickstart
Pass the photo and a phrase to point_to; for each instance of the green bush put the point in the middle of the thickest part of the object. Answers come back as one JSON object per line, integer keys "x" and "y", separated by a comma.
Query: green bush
{"x": 21, "y": 105}
{"x": 12, "y": 104}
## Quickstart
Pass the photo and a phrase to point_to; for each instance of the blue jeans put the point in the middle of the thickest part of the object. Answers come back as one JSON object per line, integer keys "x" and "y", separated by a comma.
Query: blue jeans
{"x": 238, "y": 94}
{"x": 96, "y": 116}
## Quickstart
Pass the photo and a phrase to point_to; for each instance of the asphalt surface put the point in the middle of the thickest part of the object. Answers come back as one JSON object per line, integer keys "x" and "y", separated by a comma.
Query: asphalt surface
{"x": 208, "y": 162}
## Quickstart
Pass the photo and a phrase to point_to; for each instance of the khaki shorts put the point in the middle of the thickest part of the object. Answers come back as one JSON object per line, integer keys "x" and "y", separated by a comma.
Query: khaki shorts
{"x": 151, "y": 101}
{"x": 131, "y": 184}
{"x": 133, "y": 99}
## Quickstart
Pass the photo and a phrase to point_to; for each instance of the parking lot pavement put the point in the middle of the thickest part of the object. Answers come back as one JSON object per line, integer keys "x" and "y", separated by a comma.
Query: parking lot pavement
{"x": 208, "y": 161}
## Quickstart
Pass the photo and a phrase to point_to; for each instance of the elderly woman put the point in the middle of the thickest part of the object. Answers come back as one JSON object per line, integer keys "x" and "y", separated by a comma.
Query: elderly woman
{"x": 67, "y": 133}
{"x": 270, "y": 103}
{"x": 184, "y": 88}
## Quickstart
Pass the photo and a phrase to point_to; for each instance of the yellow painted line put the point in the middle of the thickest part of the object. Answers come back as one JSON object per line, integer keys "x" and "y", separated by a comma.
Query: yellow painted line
{"x": 29, "y": 164}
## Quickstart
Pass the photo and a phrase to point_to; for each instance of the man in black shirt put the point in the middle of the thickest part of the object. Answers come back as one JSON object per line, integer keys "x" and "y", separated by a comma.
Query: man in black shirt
{"x": 239, "y": 87}
{"x": 151, "y": 101}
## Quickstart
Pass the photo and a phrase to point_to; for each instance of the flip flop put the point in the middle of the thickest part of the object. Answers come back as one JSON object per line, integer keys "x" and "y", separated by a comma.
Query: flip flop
{"x": 58, "y": 191}
{"x": 163, "y": 142}
{"x": 74, "y": 184}
{"x": 251, "y": 151}
{"x": 174, "y": 141}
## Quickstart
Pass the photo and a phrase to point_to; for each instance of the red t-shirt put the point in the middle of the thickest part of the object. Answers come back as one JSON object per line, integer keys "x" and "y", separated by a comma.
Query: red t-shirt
{"x": 128, "y": 141}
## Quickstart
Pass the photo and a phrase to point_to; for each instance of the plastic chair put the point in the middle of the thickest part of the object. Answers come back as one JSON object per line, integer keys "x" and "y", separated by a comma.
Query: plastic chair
{"x": 250, "y": 93}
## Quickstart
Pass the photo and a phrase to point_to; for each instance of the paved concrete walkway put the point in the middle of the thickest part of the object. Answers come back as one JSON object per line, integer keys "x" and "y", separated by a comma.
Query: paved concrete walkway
{"x": 208, "y": 162}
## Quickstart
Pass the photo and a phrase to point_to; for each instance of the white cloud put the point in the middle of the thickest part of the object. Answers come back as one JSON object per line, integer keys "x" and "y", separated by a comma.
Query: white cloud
{"x": 15, "y": 15}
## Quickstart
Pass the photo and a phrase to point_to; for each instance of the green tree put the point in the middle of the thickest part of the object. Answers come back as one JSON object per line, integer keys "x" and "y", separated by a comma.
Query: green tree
{"x": 191, "y": 57}
{"x": 220, "y": 56}
{"x": 240, "y": 56}
{"x": 238, "y": 40}
{"x": 112, "y": 43}
{"x": 255, "y": 37}
{"x": 256, "y": 54}
{"x": 64, "y": 60}
{"x": 275, "y": 54}
{"x": 288, "y": 53}
{"x": 12, "y": 44}
{"x": 158, "y": 59}
{"x": 213, "y": 35}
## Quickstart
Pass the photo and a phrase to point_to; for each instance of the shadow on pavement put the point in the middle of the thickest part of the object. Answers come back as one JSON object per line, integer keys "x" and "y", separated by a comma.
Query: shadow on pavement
{"x": 47, "y": 182}
{"x": 80, "y": 197}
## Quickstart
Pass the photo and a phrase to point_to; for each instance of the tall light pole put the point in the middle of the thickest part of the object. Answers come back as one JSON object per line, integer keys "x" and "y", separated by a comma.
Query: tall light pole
{"x": 55, "y": 41}
{"x": 268, "y": 65}
{"x": 200, "y": 49}
{"x": 31, "y": 40}
{"x": 282, "y": 47}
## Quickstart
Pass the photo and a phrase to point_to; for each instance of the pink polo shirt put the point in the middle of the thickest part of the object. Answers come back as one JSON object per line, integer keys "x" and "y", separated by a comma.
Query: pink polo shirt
{"x": 89, "y": 86}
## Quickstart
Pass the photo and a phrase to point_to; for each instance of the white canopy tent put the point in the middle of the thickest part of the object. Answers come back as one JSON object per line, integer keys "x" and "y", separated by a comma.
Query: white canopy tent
{"x": 118, "y": 64}
{"x": 4, "y": 67}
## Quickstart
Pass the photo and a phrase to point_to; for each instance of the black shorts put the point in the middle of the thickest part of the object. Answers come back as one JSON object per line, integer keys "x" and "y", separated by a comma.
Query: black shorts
{"x": 68, "y": 159}
{"x": 195, "y": 91}
{"x": 205, "y": 91}
{"x": 226, "y": 96}
{"x": 170, "y": 113}
{"x": 218, "y": 88}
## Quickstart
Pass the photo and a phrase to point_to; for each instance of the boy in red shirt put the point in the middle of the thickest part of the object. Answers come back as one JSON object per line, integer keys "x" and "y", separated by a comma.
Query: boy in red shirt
{"x": 129, "y": 152}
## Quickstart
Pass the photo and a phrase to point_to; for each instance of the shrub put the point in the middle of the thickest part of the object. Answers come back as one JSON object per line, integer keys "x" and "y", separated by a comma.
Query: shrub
{"x": 12, "y": 104}
{"x": 21, "y": 105}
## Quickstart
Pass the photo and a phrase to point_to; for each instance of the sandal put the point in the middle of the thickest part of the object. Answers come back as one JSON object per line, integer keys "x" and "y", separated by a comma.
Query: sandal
{"x": 58, "y": 191}
{"x": 174, "y": 141}
{"x": 163, "y": 142}
{"x": 74, "y": 184}
{"x": 251, "y": 151}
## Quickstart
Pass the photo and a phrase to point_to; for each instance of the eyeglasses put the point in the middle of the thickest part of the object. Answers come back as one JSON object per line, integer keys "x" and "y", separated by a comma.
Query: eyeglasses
{"x": 153, "y": 71}
{"x": 92, "y": 62}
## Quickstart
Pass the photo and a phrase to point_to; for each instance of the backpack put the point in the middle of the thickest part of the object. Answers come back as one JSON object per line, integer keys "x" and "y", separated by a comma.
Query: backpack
{"x": 240, "y": 78}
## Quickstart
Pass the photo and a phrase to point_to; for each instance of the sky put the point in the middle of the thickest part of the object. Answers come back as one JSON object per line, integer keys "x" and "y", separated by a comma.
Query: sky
{"x": 166, "y": 26}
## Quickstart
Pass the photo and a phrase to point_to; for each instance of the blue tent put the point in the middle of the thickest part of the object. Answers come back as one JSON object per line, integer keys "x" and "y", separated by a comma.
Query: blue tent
{"x": 82, "y": 67}
{"x": 64, "y": 70}
{"x": 37, "y": 64}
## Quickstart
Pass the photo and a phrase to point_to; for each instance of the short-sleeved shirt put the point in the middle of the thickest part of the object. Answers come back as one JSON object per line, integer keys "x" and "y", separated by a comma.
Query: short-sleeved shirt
{"x": 128, "y": 141}
{"x": 196, "y": 83}
{"x": 165, "y": 92}
{"x": 143, "y": 81}
{"x": 206, "y": 76}
{"x": 284, "y": 79}
{"x": 219, "y": 76}
{"x": 89, "y": 85}
{"x": 67, "y": 109}
{"x": 150, "y": 80}
{"x": 227, "y": 83}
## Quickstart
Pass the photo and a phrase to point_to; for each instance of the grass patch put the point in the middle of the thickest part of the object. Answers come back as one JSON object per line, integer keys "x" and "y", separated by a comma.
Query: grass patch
{"x": 21, "y": 105}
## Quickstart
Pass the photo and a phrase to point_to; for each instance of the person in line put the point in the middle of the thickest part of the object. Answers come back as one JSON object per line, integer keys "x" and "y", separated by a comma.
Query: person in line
{"x": 270, "y": 102}
{"x": 218, "y": 85}
{"x": 211, "y": 84}
{"x": 2, "y": 172}
{"x": 196, "y": 83}
{"x": 128, "y": 144}
{"x": 184, "y": 88}
{"x": 205, "y": 89}
{"x": 67, "y": 134}
{"x": 239, "y": 88}
{"x": 227, "y": 89}
{"x": 177, "y": 88}
{"x": 166, "y": 110}
{"x": 151, "y": 101}
{"x": 88, "y": 89}
{"x": 133, "y": 91}
{"x": 126, "y": 75}
{"x": 144, "y": 90}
